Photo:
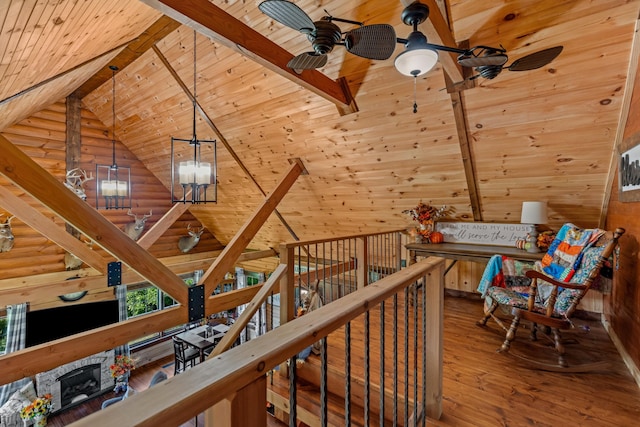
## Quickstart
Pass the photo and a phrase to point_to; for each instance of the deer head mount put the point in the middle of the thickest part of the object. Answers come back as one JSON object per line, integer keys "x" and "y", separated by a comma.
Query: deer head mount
{"x": 134, "y": 229}
{"x": 75, "y": 180}
{"x": 186, "y": 243}
{"x": 72, "y": 262}
{"x": 6, "y": 235}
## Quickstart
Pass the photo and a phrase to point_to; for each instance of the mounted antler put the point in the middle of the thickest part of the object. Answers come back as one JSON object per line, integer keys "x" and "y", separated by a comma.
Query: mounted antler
{"x": 134, "y": 229}
{"x": 6, "y": 235}
{"x": 186, "y": 243}
{"x": 75, "y": 180}
{"x": 72, "y": 262}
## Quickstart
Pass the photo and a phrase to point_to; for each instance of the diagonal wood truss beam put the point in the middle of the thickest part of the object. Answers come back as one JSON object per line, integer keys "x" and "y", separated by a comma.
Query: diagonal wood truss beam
{"x": 214, "y": 275}
{"x": 135, "y": 49}
{"x": 256, "y": 302}
{"x": 34, "y": 219}
{"x": 159, "y": 228}
{"x": 215, "y": 23}
{"x": 40, "y": 184}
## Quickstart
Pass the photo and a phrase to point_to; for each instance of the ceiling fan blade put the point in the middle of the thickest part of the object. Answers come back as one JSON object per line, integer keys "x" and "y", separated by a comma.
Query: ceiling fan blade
{"x": 536, "y": 59}
{"x": 478, "y": 61}
{"x": 376, "y": 41}
{"x": 288, "y": 14}
{"x": 307, "y": 61}
{"x": 406, "y": 3}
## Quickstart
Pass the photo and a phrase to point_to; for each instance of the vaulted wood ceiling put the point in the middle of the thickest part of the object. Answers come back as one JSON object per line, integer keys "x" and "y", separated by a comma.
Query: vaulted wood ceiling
{"x": 546, "y": 134}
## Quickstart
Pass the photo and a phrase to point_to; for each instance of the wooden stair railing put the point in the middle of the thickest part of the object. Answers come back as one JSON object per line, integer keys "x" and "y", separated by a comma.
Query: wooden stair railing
{"x": 241, "y": 372}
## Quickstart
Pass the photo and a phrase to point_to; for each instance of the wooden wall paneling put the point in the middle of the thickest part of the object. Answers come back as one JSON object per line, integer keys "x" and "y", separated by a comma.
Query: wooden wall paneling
{"x": 213, "y": 22}
{"x": 154, "y": 33}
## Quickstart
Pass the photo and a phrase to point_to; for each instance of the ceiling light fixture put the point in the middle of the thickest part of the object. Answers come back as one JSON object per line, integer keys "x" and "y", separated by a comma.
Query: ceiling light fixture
{"x": 113, "y": 182}
{"x": 193, "y": 180}
{"x": 418, "y": 58}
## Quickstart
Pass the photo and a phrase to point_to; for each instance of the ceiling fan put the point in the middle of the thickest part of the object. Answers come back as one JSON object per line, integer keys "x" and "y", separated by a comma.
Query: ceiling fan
{"x": 378, "y": 41}
{"x": 420, "y": 56}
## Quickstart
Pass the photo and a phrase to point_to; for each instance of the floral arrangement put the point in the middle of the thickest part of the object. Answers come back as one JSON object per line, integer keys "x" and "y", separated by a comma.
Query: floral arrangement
{"x": 41, "y": 406}
{"x": 425, "y": 215}
{"x": 545, "y": 239}
{"x": 123, "y": 364}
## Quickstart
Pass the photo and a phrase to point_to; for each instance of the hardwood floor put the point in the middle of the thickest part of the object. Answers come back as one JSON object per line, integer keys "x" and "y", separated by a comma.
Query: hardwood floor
{"x": 485, "y": 388}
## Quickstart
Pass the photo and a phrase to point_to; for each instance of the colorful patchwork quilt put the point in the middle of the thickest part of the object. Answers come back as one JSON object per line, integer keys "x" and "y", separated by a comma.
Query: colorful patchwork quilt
{"x": 562, "y": 262}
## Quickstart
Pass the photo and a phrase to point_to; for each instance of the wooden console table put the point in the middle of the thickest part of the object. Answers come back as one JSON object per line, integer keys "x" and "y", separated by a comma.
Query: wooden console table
{"x": 467, "y": 252}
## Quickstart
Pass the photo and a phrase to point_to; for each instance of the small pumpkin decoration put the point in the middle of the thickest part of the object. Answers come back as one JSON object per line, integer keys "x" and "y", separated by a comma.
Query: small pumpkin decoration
{"x": 436, "y": 237}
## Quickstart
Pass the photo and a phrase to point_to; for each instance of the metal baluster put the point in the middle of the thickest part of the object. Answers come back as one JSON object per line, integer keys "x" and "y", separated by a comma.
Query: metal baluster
{"x": 347, "y": 374}
{"x": 415, "y": 352}
{"x": 395, "y": 360}
{"x": 323, "y": 384}
{"x": 406, "y": 356}
{"x": 293, "y": 392}
{"x": 367, "y": 362}
{"x": 330, "y": 268}
{"x": 382, "y": 359}
{"x": 424, "y": 354}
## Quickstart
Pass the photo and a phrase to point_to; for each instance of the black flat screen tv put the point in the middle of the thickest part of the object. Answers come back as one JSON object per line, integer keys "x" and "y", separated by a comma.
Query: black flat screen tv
{"x": 59, "y": 322}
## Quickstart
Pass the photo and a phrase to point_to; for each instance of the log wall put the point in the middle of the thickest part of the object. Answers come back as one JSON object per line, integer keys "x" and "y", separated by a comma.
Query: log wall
{"x": 42, "y": 136}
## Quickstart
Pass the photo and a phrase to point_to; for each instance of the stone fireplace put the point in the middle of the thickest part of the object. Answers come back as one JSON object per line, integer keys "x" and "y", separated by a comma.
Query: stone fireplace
{"x": 77, "y": 381}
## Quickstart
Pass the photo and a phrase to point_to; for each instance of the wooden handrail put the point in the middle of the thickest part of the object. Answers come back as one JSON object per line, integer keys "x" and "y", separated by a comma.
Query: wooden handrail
{"x": 331, "y": 239}
{"x": 182, "y": 397}
{"x": 234, "y": 332}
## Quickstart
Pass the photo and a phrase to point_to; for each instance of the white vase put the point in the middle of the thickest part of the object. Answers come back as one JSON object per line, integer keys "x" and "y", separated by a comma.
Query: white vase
{"x": 40, "y": 420}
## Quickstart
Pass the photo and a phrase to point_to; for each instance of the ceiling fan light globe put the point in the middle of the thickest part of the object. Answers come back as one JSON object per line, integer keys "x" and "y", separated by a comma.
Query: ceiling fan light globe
{"x": 416, "y": 62}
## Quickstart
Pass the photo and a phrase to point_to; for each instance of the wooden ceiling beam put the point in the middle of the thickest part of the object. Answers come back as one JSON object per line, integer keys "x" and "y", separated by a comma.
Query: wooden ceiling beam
{"x": 132, "y": 51}
{"x": 43, "y": 357}
{"x": 39, "y": 222}
{"x": 437, "y": 31}
{"x": 159, "y": 228}
{"x": 40, "y": 184}
{"x": 210, "y": 20}
{"x": 50, "y": 285}
{"x": 230, "y": 254}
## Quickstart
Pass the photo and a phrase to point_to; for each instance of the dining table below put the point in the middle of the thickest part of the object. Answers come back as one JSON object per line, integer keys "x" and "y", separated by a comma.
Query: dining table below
{"x": 203, "y": 338}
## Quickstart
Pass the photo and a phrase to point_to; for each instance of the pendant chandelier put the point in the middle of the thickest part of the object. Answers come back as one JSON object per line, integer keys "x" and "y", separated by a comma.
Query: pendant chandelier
{"x": 113, "y": 182}
{"x": 193, "y": 161}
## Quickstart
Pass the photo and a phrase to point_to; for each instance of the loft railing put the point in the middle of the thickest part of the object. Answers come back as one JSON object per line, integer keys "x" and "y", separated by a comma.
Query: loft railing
{"x": 231, "y": 386}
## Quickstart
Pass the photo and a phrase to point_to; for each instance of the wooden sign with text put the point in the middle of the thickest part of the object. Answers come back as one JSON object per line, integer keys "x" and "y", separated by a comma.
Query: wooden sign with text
{"x": 483, "y": 233}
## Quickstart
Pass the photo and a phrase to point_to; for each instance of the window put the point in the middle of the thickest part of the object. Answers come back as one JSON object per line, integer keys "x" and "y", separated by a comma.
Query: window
{"x": 3, "y": 332}
{"x": 145, "y": 298}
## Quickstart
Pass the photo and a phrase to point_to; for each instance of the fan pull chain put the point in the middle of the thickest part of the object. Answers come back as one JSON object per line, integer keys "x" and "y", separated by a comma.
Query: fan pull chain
{"x": 415, "y": 84}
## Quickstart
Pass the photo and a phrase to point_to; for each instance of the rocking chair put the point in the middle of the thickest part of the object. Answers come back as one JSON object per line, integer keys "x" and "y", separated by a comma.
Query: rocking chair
{"x": 549, "y": 293}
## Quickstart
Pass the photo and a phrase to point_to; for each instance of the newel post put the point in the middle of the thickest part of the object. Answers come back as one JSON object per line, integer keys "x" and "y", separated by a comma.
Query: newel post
{"x": 362, "y": 262}
{"x": 287, "y": 292}
{"x": 247, "y": 407}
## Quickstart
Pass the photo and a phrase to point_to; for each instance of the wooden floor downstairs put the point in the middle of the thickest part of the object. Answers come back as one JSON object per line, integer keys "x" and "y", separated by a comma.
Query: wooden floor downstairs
{"x": 484, "y": 388}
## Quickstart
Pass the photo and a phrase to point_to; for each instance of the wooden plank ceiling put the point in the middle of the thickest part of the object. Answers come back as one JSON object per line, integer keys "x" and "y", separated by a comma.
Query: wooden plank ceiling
{"x": 546, "y": 134}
